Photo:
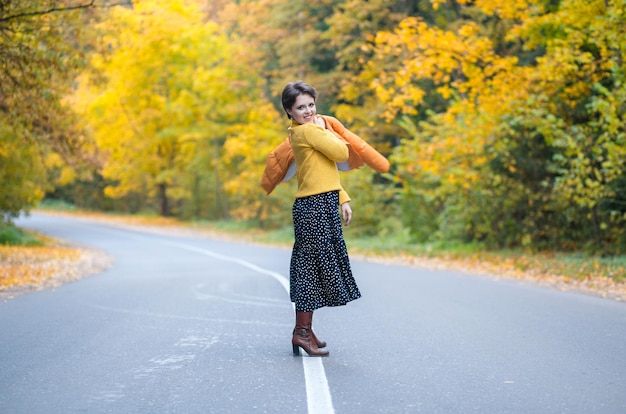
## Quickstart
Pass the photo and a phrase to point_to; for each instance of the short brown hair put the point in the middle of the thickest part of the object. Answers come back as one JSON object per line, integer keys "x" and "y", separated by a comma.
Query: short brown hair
{"x": 295, "y": 89}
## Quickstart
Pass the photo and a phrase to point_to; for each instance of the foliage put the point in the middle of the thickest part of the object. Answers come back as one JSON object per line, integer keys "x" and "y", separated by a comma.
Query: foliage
{"x": 177, "y": 115}
{"x": 37, "y": 131}
{"x": 504, "y": 120}
{"x": 519, "y": 155}
{"x": 12, "y": 235}
{"x": 21, "y": 173}
{"x": 24, "y": 268}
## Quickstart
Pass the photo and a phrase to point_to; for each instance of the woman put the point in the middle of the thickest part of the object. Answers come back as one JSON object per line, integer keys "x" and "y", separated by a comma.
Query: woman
{"x": 320, "y": 273}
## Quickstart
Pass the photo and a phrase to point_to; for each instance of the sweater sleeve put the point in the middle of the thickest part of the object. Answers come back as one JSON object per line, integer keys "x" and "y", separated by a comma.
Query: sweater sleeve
{"x": 366, "y": 152}
{"x": 343, "y": 196}
{"x": 326, "y": 142}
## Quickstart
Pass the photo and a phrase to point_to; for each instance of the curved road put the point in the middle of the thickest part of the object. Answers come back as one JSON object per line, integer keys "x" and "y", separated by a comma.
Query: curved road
{"x": 195, "y": 325}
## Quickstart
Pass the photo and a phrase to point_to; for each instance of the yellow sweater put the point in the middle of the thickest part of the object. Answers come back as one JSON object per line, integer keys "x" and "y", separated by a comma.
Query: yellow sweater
{"x": 316, "y": 151}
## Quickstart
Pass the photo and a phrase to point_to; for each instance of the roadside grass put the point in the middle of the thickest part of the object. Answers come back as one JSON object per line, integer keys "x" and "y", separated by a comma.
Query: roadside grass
{"x": 57, "y": 205}
{"x": 565, "y": 270}
{"x": 14, "y": 236}
{"x": 474, "y": 257}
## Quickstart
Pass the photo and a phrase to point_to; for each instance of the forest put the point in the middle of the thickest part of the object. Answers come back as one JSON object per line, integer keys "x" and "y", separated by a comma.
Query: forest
{"x": 504, "y": 120}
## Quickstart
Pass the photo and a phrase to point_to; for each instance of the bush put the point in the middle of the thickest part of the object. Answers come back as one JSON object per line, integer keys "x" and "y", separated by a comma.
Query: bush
{"x": 12, "y": 235}
{"x": 56, "y": 204}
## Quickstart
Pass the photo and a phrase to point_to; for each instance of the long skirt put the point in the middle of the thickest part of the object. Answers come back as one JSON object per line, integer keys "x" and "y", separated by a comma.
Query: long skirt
{"x": 320, "y": 273}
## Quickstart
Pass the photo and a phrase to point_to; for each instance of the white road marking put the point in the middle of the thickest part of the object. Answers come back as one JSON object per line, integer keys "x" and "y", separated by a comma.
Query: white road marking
{"x": 280, "y": 278}
{"x": 206, "y": 296}
{"x": 319, "y": 400}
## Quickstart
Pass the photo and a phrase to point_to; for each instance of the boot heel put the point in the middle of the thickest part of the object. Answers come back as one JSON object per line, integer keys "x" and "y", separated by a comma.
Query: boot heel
{"x": 303, "y": 336}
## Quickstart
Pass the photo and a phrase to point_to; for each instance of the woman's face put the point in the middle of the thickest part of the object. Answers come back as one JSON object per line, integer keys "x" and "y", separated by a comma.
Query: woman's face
{"x": 303, "y": 110}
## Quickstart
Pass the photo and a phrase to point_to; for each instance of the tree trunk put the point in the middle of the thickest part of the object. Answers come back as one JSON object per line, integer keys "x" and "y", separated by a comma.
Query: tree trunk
{"x": 163, "y": 201}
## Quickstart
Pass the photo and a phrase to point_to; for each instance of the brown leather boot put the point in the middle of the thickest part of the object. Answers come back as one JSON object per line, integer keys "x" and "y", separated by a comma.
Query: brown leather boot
{"x": 320, "y": 343}
{"x": 302, "y": 337}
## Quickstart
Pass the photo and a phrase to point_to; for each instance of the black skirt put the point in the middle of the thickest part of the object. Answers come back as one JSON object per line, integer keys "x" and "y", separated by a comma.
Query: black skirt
{"x": 320, "y": 273}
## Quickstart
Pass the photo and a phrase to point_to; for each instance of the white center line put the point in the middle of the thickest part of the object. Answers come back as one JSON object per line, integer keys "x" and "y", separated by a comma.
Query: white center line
{"x": 318, "y": 396}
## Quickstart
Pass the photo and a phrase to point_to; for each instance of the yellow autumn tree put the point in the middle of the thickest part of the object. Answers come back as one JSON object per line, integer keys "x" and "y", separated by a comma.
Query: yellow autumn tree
{"x": 444, "y": 157}
{"x": 165, "y": 96}
{"x": 503, "y": 151}
{"x": 581, "y": 84}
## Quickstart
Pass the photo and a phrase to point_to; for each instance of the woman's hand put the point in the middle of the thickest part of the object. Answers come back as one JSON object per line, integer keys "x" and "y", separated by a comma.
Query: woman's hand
{"x": 346, "y": 213}
{"x": 319, "y": 121}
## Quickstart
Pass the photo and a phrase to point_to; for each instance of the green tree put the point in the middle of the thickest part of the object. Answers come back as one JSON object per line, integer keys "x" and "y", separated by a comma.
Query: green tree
{"x": 518, "y": 153}
{"x": 39, "y": 60}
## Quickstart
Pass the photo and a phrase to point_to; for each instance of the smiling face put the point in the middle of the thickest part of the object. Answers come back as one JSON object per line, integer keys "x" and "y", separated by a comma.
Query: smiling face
{"x": 303, "y": 110}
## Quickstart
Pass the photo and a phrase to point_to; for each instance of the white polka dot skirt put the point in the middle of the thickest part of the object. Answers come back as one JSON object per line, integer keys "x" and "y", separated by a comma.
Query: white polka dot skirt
{"x": 320, "y": 273}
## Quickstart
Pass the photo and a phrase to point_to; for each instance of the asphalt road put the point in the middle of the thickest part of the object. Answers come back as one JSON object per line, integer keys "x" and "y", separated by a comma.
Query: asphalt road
{"x": 194, "y": 325}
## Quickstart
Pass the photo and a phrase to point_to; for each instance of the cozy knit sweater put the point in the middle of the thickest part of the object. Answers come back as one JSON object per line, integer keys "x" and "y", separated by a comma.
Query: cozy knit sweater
{"x": 317, "y": 151}
{"x": 280, "y": 165}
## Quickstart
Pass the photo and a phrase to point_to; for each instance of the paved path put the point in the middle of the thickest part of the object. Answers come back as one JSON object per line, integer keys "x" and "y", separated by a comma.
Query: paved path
{"x": 194, "y": 325}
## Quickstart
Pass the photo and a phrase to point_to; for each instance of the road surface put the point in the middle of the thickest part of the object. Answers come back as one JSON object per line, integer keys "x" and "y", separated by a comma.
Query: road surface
{"x": 182, "y": 324}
